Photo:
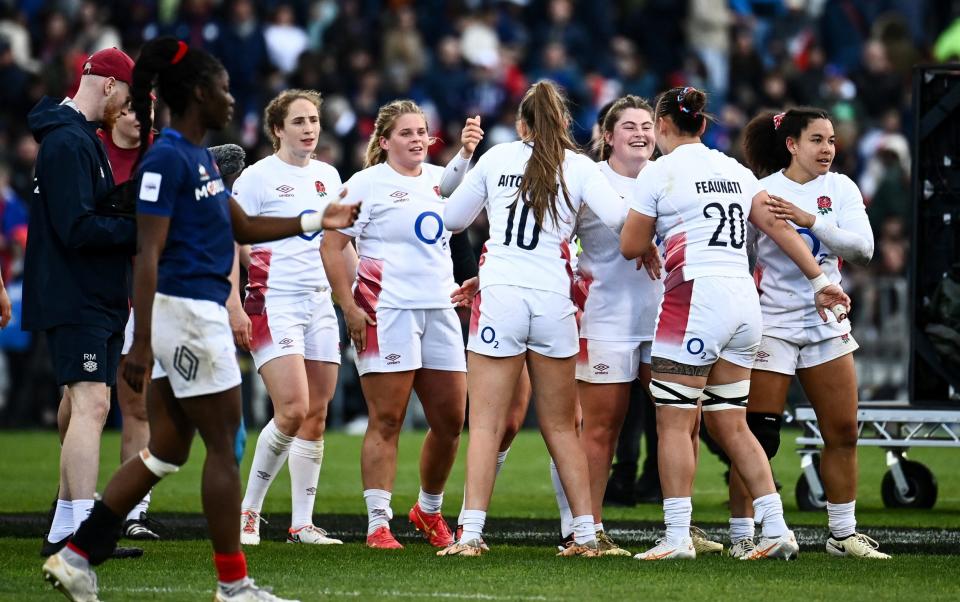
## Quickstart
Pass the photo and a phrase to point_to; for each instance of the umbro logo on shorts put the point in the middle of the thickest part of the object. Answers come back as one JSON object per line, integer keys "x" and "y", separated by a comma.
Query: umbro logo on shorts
{"x": 392, "y": 359}
{"x": 762, "y": 356}
{"x": 90, "y": 362}
{"x": 286, "y": 343}
{"x": 601, "y": 368}
{"x": 185, "y": 362}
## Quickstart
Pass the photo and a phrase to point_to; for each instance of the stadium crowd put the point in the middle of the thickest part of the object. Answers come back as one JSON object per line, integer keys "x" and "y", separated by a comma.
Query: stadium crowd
{"x": 472, "y": 57}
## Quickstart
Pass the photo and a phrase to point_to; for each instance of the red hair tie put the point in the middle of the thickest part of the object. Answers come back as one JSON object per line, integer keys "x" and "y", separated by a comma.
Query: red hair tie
{"x": 181, "y": 52}
{"x": 777, "y": 120}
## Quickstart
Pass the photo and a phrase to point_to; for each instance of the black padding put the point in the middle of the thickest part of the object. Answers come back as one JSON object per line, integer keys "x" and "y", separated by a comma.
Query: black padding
{"x": 766, "y": 428}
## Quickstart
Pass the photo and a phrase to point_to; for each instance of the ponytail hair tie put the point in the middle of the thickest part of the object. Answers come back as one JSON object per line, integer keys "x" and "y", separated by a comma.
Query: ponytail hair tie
{"x": 778, "y": 120}
{"x": 684, "y": 109}
{"x": 181, "y": 52}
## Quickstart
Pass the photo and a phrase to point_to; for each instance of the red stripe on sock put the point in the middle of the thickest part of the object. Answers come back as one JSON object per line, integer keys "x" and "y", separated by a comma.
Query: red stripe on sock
{"x": 75, "y": 549}
{"x": 230, "y": 567}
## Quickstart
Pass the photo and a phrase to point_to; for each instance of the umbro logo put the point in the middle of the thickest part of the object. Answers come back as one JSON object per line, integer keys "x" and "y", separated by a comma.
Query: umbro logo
{"x": 285, "y": 190}
{"x": 762, "y": 356}
{"x": 286, "y": 342}
{"x": 600, "y": 368}
{"x": 392, "y": 359}
{"x": 400, "y": 196}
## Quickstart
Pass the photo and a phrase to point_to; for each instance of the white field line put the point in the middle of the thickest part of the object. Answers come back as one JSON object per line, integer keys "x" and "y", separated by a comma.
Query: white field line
{"x": 329, "y": 592}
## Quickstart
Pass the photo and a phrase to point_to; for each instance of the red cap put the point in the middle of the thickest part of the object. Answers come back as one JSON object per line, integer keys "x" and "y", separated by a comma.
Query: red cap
{"x": 110, "y": 62}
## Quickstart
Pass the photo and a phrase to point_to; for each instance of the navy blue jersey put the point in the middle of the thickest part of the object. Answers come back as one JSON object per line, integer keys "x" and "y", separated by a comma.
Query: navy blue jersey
{"x": 181, "y": 181}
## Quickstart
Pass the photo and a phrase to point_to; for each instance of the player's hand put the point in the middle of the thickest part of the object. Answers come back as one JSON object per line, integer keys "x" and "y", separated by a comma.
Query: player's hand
{"x": 463, "y": 296}
{"x": 137, "y": 364}
{"x": 832, "y": 297}
{"x": 650, "y": 261}
{"x": 241, "y": 326}
{"x": 785, "y": 210}
{"x": 357, "y": 321}
{"x": 6, "y": 308}
{"x": 338, "y": 215}
{"x": 471, "y": 136}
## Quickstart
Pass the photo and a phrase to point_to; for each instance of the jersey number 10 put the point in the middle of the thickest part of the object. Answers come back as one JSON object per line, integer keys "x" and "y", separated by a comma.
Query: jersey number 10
{"x": 734, "y": 220}
{"x": 521, "y": 228}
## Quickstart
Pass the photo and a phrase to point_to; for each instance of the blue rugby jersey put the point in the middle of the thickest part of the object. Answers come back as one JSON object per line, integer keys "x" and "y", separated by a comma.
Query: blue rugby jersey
{"x": 180, "y": 180}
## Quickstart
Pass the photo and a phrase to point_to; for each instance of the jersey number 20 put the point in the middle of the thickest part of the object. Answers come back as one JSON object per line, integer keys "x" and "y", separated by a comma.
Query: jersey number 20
{"x": 521, "y": 228}
{"x": 734, "y": 220}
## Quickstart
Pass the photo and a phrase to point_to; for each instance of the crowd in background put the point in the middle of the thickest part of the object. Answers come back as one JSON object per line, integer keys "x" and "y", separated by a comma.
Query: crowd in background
{"x": 462, "y": 58}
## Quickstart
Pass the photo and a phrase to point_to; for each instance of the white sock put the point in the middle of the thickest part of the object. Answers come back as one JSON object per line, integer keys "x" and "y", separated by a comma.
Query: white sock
{"x": 81, "y": 510}
{"x": 501, "y": 458}
{"x": 62, "y": 522}
{"x": 566, "y": 515}
{"x": 473, "y": 521}
{"x": 677, "y": 512}
{"x": 74, "y": 559}
{"x": 768, "y": 511}
{"x": 140, "y": 508}
{"x": 430, "y": 502}
{"x": 741, "y": 528}
{"x": 272, "y": 450}
{"x": 597, "y": 527}
{"x": 378, "y": 509}
{"x": 842, "y": 519}
{"x": 304, "y": 463}
{"x": 583, "y": 529}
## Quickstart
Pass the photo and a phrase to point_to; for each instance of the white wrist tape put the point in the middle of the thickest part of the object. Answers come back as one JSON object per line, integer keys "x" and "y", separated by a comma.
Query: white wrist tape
{"x": 820, "y": 282}
{"x": 311, "y": 222}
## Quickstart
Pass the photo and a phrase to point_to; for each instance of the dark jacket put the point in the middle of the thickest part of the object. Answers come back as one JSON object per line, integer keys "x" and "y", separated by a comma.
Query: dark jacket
{"x": 77, "y": 263}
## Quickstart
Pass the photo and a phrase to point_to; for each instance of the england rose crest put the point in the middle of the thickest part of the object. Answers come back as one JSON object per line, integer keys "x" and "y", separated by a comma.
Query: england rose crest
{"x": 824, "y": 205}
{"x": 321, "y": 189}
{"x": 437, "y": 190}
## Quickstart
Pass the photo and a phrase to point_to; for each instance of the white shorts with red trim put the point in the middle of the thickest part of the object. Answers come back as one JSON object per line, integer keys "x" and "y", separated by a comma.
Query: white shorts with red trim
{"x": 789, "y": 350}
{"x": 508, "y": 320}
{"x": 708, "y": 318}
{"x": 304, "y": 325}
{"x": 611, "y": 361}
{"x": 409, "y": 339}
{"x": 193, "y": 346}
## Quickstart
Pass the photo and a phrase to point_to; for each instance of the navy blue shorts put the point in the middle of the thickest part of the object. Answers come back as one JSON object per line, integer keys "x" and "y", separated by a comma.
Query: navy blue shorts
{"x": 84, "y": 354}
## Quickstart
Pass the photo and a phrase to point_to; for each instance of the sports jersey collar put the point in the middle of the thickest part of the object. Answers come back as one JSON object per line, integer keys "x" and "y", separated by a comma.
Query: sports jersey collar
{"x": 691, "y": 147}
{"x": 176, "y": 135}
{"x": 797, "y": 185}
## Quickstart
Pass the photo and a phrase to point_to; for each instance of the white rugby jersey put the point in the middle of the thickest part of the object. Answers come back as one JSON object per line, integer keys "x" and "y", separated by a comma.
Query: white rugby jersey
{"x": 275, "y": 188}
{"x": 786, "y": 297}
{"x": 702, "y": 200}
{"x": 401, "y": 239}
{"x": 519, "y": 252}
{"x": 621, "y": 301}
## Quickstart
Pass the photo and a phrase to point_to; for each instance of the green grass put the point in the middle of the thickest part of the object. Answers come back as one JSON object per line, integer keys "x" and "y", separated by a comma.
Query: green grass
{"x": 28, "y": 472}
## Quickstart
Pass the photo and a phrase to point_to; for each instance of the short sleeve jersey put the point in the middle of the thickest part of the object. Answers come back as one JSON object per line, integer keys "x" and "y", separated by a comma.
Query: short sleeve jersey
{"x": 786, "y": 297}
{"x": 701, "y": 199}
{"x": 519, "y": 252}
{"x": 403, "y": 246}
{"x": 180, "y": 180}
{"x": 622, "y": 301}
{"x": 275, "y": 188}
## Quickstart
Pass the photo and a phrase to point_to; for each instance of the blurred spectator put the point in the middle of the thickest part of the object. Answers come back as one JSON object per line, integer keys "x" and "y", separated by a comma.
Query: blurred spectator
{"x": 286, "y": 40}
{"x": 404, "y": 55}
{"x": 708, "y": 33}
{"x": 876, "y": 75}
{"x": 447, "y": 79}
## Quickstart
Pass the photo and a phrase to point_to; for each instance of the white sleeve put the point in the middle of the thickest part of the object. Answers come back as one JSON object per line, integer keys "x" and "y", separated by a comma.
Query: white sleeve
{"x": 646, "y": 191}
{"x": 453, "y": 174}
{"x": 358, "y": 187}
{"x": 751, "y": 188}
{"x": 852, "y": 237}
{"x": 466, "y": 202}
{"x": 599, "y": 195}
{"x": 247, "y": 193}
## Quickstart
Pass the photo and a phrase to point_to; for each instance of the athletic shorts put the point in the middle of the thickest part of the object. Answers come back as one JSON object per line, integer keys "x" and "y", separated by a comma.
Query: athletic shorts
{"x": 708, "y": 318}
{"x": 81, "y": 354}
{"x": 508, "y": 320}
{"x": 611, "y": 361}
{"x": 787, "y": 350}
{"x": 306, "y": 327}
{"x": 409, "y": 339}
{"x": 128, "y": 335}
{"x": 193, "y": 346}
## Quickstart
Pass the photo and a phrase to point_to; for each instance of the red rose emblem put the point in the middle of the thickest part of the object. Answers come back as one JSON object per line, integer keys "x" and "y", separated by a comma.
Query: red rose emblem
{"x": 320, "y": 186}
{"x": 437, "y": 190}
{"x": 824, "y": 205}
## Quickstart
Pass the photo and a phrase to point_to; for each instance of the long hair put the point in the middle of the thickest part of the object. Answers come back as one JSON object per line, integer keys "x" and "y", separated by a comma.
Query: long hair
{"x": 543, "y": 110}
{"x": 386, "y": 119}
{"x": 613, "y": 115}
{"x": 175, "y": 69}
{"x": 685, "y": 106}
{"x": 277, "y": 109}
{"x": 765, "y": 137}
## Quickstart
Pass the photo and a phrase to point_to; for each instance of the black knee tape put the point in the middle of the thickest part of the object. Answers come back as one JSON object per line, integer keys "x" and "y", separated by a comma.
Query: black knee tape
{"x": 98, "y": 535}
{"x": 766, "y": 428}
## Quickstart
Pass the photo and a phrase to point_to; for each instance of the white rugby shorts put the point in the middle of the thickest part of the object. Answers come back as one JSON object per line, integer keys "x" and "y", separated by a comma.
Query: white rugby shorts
{"x": 507, "y": 320}
{"x": 786, "y": 350}
{"x": 611, "y": 361}
{"x": 409, "y": 339}
{"x": 193, "y": 346}
{"x": 306, "y": 326}
{"x": 708, "y": 318}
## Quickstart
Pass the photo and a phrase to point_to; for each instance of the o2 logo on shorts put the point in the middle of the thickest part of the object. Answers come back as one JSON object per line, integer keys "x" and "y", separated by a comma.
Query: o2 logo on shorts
{"x": 695, "y": 347}
{"x": 418, "y": 227}
{"x": 308, "y": 236}
{"x": 488, "y": 335}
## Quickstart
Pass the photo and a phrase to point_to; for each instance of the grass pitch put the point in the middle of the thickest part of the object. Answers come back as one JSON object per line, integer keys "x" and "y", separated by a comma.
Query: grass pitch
{"x": 521, "y": 566}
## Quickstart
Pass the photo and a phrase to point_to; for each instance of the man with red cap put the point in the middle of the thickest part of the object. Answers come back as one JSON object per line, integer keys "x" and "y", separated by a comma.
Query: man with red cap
{"x": 77, "y": 272}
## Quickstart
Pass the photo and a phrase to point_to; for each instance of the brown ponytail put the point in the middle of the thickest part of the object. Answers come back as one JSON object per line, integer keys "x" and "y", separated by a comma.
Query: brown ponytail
{"x": 685, "y": 106}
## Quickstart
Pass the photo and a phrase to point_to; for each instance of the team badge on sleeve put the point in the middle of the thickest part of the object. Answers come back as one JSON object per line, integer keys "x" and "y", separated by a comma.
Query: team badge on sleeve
{"x": 150, "y": 186}
{"x": 824, "y": 205}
